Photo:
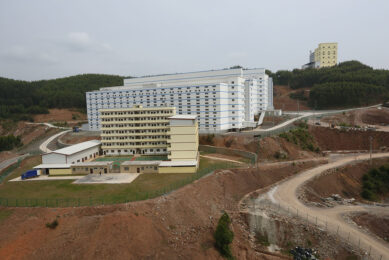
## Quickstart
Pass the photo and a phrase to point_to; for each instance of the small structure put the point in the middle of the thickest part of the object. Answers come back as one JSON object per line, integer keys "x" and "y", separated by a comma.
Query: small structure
{"x": 73, "y": 154}
{"x": 178, "y": 166}
{"x": 102, "y": 167}
{"x": 53, "y": 169}
{"x": 139, "y": 167}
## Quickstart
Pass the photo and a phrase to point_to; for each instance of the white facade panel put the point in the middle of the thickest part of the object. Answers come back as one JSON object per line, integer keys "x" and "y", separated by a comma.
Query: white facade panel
{"x": 220, "y": 99}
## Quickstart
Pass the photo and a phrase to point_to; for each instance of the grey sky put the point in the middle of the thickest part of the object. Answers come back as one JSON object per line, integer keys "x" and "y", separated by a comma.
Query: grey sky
{"x": 54, "y": 38}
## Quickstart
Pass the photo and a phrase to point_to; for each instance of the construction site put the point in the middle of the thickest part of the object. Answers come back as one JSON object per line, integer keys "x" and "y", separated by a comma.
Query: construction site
{"x": 303, "y": 189}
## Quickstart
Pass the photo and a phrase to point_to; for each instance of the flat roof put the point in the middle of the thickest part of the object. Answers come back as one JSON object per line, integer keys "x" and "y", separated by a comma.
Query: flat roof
{"x": 53, "y": 166}
{"x": 95, "y": 163}
{"x": 77, "y": 147}
{"x": 184, "y": 117}
{"x": 177, "y": 163}
{"x": 141, "y": 163}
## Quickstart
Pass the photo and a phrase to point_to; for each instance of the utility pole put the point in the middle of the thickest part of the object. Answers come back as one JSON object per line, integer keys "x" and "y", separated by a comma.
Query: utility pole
{"x": 371, "y": 149}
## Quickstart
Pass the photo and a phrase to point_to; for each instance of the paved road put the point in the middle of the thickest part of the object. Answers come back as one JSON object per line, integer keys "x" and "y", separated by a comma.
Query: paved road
{"x": 49, "y": 125}
{"x": 43, "y": 146}
{"x": 286, "y": 195}
{"x": 11, "y": 161}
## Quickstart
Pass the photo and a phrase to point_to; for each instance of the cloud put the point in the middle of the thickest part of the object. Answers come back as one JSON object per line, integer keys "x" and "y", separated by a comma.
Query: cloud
{"x": 21, "y": 53}
{"x": 83, "y": 42}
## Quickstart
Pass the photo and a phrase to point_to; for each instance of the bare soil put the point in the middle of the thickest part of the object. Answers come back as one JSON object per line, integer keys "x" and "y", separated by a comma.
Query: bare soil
{"x": 282, "y": 100}
{"x": 60, "y": 115}
{"x": 371, "y": 116}
{"x": 378, "y": 225}
{"x": 335, "y": 139}
{"x": 74, "y": 138}
{"x": 345, "y": 181}
{"x": 266, "y": 148}
{"x": 176, "y": 226}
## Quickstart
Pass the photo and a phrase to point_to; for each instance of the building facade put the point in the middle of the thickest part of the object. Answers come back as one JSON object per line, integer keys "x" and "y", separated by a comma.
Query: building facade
{"x": 183, "y": 141}
{"x": 137, "y": 130}
{"x": 325, "y": 55}
{"x": 222, "y": 100}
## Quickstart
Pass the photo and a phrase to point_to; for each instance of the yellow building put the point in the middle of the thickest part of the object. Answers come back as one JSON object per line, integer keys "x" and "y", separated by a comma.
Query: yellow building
{"x": 326, "y": 55}
{"x": 184, "y": 138}
{"x": 135, "y": 130}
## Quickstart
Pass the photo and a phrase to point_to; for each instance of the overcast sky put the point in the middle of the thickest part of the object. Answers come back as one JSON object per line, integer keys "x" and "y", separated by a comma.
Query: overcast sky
{"x": 55, "y": 38}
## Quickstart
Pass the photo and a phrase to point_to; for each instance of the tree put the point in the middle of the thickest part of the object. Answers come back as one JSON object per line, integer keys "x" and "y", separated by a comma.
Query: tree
{"x": 224, "y": 236}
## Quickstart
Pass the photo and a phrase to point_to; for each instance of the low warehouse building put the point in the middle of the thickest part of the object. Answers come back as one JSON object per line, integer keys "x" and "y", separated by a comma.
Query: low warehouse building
{"x": 139, "y": 167}
{"x": 92, "y": 167}
{"x": 53, "y": 169}
{"x": 178, "y": 167}
{"x": 73, "y": 154}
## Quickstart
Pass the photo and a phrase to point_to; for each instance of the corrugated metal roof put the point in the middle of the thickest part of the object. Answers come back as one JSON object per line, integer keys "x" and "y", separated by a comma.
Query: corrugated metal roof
{"x": 53, "y": 166}
{"x": 77, "y": 147}
{"x": 184, "y": 117}
{"x": 177, "y": 163}
{"x": 96, "y": 163}
{"x": 141, "y": 163}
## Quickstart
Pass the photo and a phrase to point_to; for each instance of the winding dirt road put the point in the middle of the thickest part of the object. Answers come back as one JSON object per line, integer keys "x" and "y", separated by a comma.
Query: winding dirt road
{"x": 331, "y": 219}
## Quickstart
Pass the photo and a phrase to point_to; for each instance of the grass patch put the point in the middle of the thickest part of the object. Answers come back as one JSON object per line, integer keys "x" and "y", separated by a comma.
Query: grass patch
{"x": 64, "y": 193}
{"x": 375, "y": 184}
{"x": 301, "y": 137}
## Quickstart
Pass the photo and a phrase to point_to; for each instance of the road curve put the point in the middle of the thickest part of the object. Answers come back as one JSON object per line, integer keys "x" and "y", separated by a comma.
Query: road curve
{"x": 43, "y": 146}
{"x": 286, "y": 195}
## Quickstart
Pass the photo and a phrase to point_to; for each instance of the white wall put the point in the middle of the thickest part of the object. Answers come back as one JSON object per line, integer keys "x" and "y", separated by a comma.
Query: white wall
{"x": 53, "y": 158}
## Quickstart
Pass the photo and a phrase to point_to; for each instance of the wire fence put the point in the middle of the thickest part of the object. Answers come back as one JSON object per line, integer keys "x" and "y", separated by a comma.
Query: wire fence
{"x": 350, "y": 238}
{"x": 252, "y": 157}
{"x": 107, "y": 200}
{"x": 9, "y": 170}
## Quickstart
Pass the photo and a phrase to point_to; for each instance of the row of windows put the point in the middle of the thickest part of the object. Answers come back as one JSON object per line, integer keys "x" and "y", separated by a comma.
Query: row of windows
{"x": 133, "y": 119}
{"x": 134, "y": 131}
{"x": 134, "y": 144}
{"x": 136, "y": 137}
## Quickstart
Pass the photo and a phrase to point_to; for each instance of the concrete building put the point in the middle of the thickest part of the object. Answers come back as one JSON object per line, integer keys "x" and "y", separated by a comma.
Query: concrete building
{"x": 137, "y": 130}
{"x": 325, "y": 55}
{"x": 183, "y": 141}
{"x": 92, "y": 167}
{"x": 140, "y": 167}
{"x": 222, "y": 100}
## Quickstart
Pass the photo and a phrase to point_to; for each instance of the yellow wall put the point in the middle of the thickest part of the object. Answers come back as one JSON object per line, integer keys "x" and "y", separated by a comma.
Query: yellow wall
{"x": 327, "y": 54}
{"x": 59, "y": 171}
{"x": 183, "y": 142}
{"x": 133, "y": 168}
{"x": 186, "y": 169}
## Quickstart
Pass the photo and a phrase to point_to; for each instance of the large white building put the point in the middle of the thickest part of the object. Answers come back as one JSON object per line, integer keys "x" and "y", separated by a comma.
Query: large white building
{"x": 223, "y": 100}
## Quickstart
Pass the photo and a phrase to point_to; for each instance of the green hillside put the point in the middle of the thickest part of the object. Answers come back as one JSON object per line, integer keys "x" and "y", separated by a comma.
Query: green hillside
{"x": 20, "y": 99}
{"x": 349, "y": 83}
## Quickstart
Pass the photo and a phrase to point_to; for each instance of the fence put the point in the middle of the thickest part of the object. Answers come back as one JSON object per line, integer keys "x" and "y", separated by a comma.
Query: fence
{"x": 9, "y": 170}
{"x": 252, "y": 157}
{"x": 79, "y": 202}
{"x": 349, "y": 238}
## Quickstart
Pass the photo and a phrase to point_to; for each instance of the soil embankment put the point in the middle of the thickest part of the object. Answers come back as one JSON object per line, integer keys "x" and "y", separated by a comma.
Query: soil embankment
{"x": 177, "y": 226}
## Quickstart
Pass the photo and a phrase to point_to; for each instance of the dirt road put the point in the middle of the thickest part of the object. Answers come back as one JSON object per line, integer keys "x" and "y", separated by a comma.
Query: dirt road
{"x": 286, "y": 195}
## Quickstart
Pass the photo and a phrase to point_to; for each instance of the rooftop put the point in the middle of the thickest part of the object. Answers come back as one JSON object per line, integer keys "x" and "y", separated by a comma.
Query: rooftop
{"x": 177, "y": 163}
{"x": 141, "y": 163}
{"x": 53, "y": 166}
{"x": 94, "y": 163}
{"x": 77, "y": 147}
{"x": 184, "y": 117}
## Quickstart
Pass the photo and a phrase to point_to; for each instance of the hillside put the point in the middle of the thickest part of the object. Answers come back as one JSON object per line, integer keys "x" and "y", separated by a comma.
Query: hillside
{"x": 347, "y": 84}
{"x": 21, "y": 99}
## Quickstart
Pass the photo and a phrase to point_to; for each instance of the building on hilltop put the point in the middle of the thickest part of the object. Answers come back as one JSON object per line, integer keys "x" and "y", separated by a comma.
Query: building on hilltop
{"x": 325, "y": 55}
{"x": 222, "y": 100}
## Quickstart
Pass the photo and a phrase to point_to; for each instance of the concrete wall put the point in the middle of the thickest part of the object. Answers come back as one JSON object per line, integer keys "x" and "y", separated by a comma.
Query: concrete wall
{"x": 142, "y": 169}
{"x": 86, "y": 169}
{"x": 53, "y": 158}
{"x": 59, "y": 172}
{"x": 183, "y": 169}
{"x": 88, "y": 154}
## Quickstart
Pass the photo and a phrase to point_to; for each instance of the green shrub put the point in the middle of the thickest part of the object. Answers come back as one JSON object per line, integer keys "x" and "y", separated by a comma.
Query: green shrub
{"x": 53, "y": 224}
{"x": 224, "y": 236}
{"x": 375, "y": 183}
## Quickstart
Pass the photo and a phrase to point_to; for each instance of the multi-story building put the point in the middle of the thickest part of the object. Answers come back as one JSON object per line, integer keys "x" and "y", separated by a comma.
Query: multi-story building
{"x": 222, "y": 100}
{"x": 137, "y": 130}
{"x": 325, "y": 55}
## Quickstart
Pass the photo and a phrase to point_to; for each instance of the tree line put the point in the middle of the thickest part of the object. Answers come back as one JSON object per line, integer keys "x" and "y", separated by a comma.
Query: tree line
{"x": 349, "y": 83}
{"x": 8, "y": 142}
{"x": 21, "y": 99}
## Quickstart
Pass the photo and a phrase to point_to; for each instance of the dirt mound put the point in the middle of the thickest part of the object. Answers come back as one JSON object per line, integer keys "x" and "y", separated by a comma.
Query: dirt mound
{"x": 282, "y": 100}
{"x": 176, "y": 226}
{"x": 378, "y": 225}
{"x": 266, "y": 148}
{"x": 60, "y": 115}
{"x": 335, "y": 139}
{"x": 345, "y": 181}
{"x": 376, "y": 117}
